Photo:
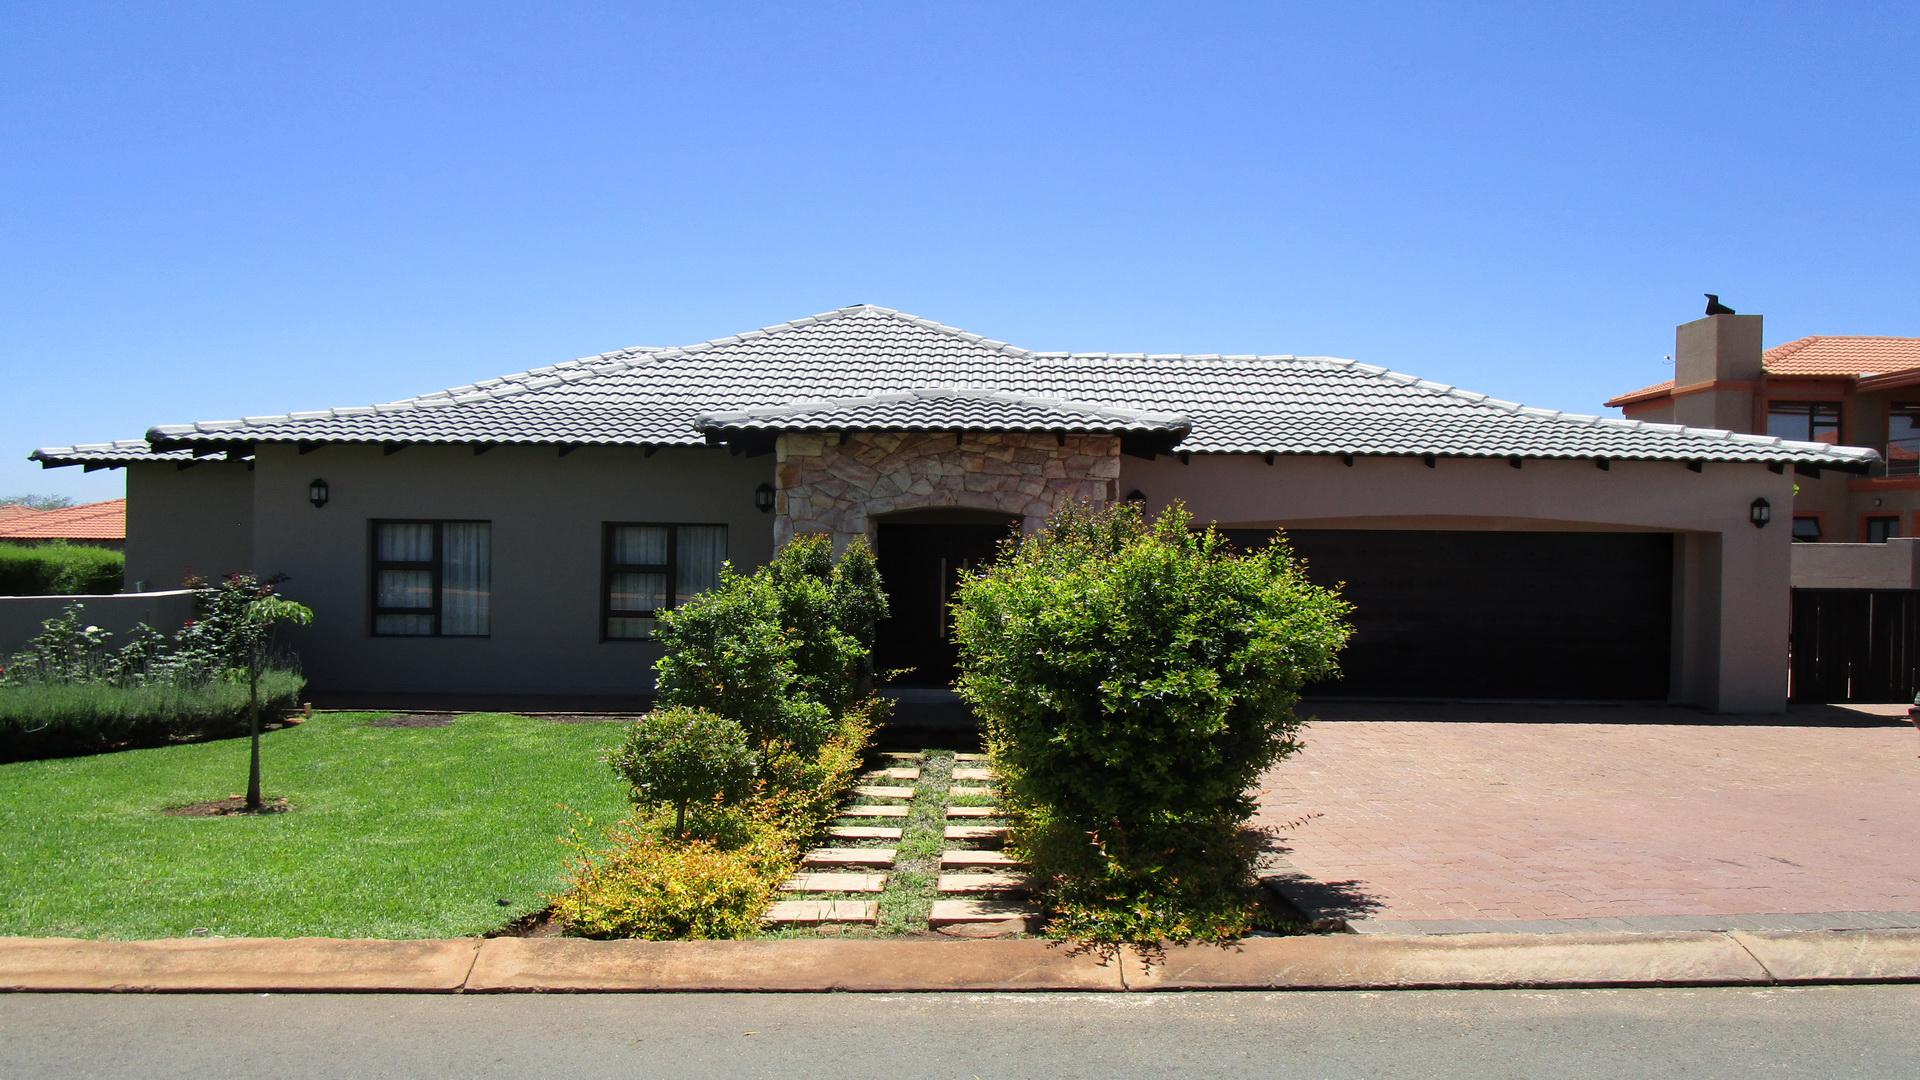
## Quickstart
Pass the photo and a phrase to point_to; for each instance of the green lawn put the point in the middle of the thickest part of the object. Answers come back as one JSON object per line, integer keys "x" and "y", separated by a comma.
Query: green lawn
{"x": 394, "y": 832}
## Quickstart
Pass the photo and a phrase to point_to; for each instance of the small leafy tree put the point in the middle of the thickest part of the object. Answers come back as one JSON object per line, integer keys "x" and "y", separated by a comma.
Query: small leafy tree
{"x": 678, "y": 756}
{"x": 262, "y": 614}
{"x": 1135, "y": 679}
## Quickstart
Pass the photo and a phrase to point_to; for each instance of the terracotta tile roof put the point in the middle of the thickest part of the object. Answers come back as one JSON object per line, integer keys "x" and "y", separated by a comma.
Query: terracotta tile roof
{"x": 1822, "y": 355}
{"x": 1819, "y": 355}
{"x": 92, "y": 521}
{"x": 1268, "y": 404}
{"x": 15, "y": 511}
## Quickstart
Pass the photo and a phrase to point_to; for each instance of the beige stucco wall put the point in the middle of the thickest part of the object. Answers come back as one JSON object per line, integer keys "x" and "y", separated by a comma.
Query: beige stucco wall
{"x": 21, "y": 617}
{"x": 547, "y": 512}
{"x": 192, "y": 522}
{"x": 1731, "y": 627}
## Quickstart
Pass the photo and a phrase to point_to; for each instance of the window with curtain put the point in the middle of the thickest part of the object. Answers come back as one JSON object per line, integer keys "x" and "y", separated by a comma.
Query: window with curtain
{"x": 649, "y": 568}
{"x": 432, "y": 578}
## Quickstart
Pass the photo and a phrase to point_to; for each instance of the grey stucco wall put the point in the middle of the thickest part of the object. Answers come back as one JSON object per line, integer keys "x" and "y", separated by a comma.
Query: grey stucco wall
{"x": 1730, "y": 632}
{"x": 547, "y": 512}
{"x": 193, "y": 522}
{"x": 1730, "y": 596}
{"x": 21, "y": 616}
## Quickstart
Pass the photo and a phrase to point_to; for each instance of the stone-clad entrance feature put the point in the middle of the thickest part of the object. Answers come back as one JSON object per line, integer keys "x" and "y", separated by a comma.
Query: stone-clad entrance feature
{"x": 840, "y": 464}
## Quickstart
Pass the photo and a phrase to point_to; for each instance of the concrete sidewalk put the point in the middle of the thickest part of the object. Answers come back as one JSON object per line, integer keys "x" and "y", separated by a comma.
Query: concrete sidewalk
{"x": 1329, "y": 962}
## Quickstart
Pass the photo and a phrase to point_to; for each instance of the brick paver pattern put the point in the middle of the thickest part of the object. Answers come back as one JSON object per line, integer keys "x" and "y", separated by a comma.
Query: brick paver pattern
{"x": 1531, "y": 820}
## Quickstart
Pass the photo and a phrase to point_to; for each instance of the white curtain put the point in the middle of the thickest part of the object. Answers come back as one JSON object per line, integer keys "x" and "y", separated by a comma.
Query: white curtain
{"x": 404, "y": 542}
{"x": 702, "y": 549}
{"x": 466, "y": 582}
{"x": 640, "y": 545}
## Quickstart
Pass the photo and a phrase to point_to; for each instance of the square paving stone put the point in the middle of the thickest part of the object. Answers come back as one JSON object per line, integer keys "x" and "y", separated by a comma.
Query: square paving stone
{"x": 981, "y": 833}
{"x": 830, "y": 882}
{"x": 874, "y": 811}
{"x": 982, "y": 883}
{"x": 973, "y": 811}
{"x": 972, "y": 774}
{"x": 998, "y": 860}
{"x": 814, "y": 912}
{"x": 867, "y": 791}
{"x": 828, "y": 856}
{"x": 950, "y": 912}
{"x": 863, "y": 832}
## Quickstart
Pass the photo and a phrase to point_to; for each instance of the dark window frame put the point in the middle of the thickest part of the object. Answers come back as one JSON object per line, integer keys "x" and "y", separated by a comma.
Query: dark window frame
{"x": 1866, "y": 528}
{"x": 435, "y": 568}
{"x": 668, "y": 571}
{"x": 1819, "y": 529}
{"x": 1816, "y": 412}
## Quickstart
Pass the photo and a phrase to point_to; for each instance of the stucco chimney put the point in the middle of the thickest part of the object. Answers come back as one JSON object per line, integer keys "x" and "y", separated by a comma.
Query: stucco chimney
{"x": 1716, "y": 349}
{"x": 1720, "y": 356}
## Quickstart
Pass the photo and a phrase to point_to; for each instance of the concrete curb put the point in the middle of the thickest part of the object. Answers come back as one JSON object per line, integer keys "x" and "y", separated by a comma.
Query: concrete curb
{"x": 1334, "y": 962}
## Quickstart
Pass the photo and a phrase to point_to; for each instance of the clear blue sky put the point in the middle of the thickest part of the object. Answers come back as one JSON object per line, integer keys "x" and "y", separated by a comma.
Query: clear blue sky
{"x": 213, "y": 210}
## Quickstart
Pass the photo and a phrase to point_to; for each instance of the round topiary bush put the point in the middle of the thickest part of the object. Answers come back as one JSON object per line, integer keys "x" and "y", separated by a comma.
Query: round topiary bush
{"x": 678, "y": 756}
{"x": 1135, "y": 678}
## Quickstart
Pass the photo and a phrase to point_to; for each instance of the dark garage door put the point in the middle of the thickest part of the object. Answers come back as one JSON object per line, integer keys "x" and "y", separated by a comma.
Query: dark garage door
{"x": 1498, "y": 614}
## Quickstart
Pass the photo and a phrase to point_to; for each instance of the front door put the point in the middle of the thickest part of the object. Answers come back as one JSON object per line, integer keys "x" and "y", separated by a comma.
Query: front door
{"x": 920, "y": 563}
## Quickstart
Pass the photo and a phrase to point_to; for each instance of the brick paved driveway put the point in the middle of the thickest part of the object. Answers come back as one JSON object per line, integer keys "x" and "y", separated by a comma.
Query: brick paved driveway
{"x": 1411, "y": 813}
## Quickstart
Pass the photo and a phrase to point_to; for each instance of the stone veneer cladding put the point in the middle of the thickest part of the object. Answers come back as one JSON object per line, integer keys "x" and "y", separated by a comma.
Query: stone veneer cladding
{"x": 824, "y": 485}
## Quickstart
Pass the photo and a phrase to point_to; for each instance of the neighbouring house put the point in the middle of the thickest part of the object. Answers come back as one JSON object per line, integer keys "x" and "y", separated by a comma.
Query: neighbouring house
{"x": 517, "y": 535}
{"x": 1855, "y": 602}
{"x": 101, "y": 524}
{"x": 1849, "y": 391}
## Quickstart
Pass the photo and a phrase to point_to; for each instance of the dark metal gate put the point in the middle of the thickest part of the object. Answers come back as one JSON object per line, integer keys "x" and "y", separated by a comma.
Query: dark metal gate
{"x": 1855, "y": 645}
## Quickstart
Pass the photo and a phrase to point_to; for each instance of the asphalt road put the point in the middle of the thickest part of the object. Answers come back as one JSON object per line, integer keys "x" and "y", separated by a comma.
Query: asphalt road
{"x": 1862, "y": 1031}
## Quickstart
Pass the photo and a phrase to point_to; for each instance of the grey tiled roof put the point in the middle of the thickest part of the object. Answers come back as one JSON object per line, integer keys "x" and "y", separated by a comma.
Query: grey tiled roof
{"x": 1237, "y": 404}
{"x": 944, "y": 409}
{"x": 117, "y": 452}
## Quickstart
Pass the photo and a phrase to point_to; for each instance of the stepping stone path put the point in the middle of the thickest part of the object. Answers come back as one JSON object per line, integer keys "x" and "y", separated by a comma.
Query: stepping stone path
{"x": 829, "y": 882}
{"x": 959, "y": 912}
{"x": 982, "y": 883}
{"x": 815, "y": 912}
{"x": 973, "y": 811}
{"x": 959, "y": 791}
{"x": 863, "y": 832}
{"x": 848, "y": 856}
{"x": 956, "y": 859}
{"x": 870, "y": 792}
{"x": 891, "y": 774}
{"x": 969, "y": 757}
{"x": 874, "y": 811}
{"x": 983, "y": 834}
{"x": 972, "y": 774}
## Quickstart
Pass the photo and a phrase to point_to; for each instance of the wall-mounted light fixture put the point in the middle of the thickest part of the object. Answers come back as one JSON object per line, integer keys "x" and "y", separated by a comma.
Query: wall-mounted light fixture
{"x": 317, "y": 493}
{"x": 1137, "y": 496}
{"x": 763, "y": 498}
{"x": 1760, "y": 513}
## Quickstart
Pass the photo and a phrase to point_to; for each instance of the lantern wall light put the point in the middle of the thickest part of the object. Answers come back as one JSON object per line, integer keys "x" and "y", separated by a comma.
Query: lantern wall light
{"x": 317, "y": 493}
{"x": 1760, "y": 513}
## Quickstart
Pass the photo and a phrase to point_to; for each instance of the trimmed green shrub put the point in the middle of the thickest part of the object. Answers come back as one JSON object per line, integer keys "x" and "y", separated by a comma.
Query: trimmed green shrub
{"x": 1135, "y": 679}
{"x": 60, "y": 570}
{"x": 783, "y": 650}
{"x": 53, "y": 719}
{"x": 678, "y": 756}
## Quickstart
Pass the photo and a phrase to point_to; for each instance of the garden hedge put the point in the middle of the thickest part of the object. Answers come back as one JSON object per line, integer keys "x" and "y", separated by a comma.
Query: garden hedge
{"x": 60, "y": 570}
{"x": 55, "y": 719}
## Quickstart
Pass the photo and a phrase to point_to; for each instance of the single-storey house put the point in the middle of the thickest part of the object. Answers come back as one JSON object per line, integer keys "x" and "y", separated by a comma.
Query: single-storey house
{"x": 517, "y": 535}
